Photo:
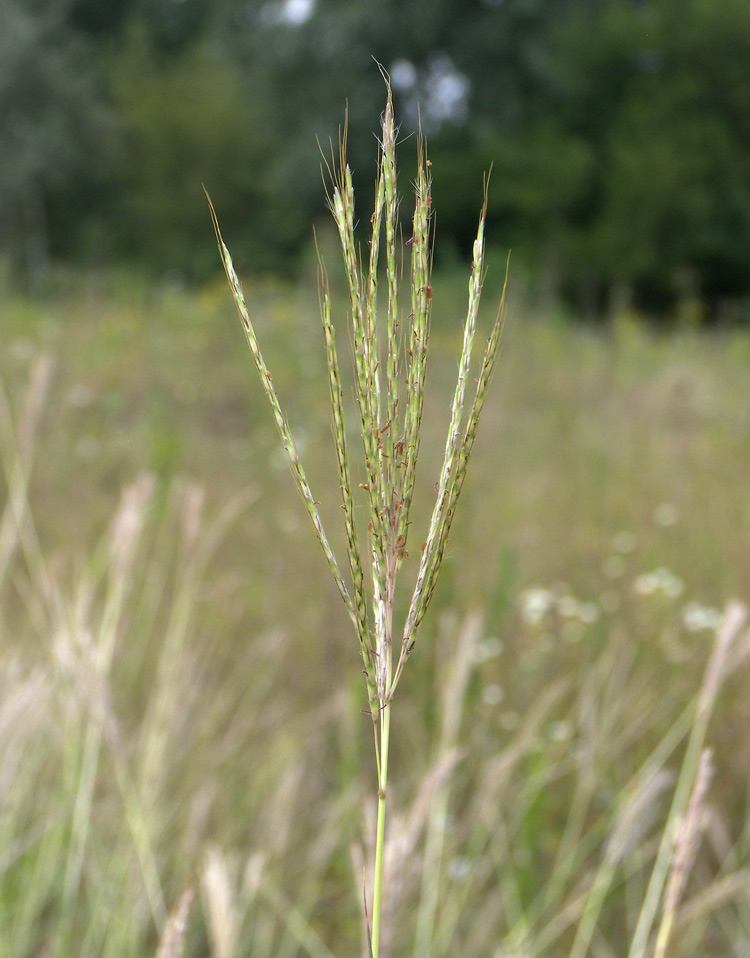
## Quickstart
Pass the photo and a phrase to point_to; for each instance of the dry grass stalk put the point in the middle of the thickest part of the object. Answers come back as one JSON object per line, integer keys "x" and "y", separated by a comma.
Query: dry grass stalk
{"x": 218, "y": 884}
{"x": 172, "y": 942}
{"x": 688, "y": 835}
{"x": 716, "y": 670}
{"x": 17, "y": 446}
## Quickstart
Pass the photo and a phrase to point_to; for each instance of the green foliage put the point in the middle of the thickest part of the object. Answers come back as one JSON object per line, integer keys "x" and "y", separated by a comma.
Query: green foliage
{"x": 186, "y": 122}
{"x": 662, "y": 102}
{"x": 51, "y": 118}
{"x": 619, "y": 133}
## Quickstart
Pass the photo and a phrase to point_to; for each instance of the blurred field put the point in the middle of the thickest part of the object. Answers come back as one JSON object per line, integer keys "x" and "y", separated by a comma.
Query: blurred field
{"x": 180, "y": 692}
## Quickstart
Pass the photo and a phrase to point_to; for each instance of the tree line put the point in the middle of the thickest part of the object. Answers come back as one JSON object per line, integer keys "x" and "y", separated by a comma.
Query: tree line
{"x": 618, "y": 132}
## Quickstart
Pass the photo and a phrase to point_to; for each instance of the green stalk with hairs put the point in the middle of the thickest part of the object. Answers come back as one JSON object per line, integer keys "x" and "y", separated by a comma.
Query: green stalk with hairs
{"x": 390, "y": 363}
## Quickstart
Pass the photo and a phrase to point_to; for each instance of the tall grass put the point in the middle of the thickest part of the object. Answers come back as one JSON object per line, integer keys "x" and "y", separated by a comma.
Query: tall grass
{"x": 390, "y": 360}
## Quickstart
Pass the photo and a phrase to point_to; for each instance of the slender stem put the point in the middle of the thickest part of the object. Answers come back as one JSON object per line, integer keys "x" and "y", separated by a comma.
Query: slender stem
{"x": 385, "y": 731}
{"x": 713, "y": 677}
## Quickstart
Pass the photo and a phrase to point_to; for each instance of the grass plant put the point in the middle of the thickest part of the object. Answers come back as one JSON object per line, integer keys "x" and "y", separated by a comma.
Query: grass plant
{"x": 390, "y": 361}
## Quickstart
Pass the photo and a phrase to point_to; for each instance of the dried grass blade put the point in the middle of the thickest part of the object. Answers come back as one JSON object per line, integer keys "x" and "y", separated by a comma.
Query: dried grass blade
{"x": 733, "y": 620}
{"x": 172, "y": 941}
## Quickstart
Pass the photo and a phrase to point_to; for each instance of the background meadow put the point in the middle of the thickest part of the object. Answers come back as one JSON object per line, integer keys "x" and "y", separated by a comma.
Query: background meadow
{"x": 180, "y": 721}
{"x": 184, "y": 765}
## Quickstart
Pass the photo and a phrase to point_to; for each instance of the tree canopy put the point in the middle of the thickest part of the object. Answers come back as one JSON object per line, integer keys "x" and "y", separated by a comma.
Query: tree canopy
{"x": 619, "y": 131}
